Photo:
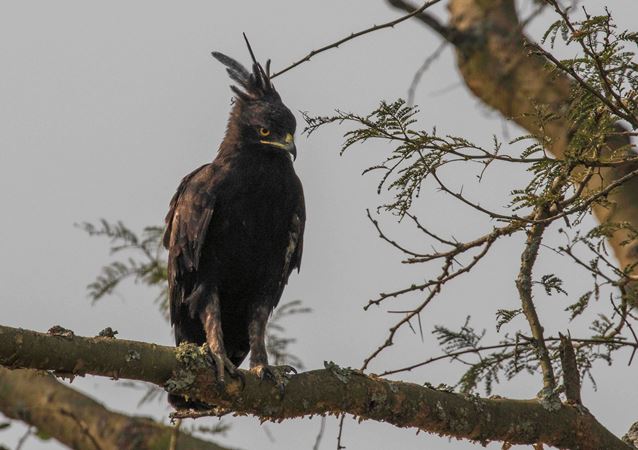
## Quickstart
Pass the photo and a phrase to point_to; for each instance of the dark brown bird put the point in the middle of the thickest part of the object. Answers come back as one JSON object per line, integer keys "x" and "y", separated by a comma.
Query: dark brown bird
{"x": 234, "y": 231}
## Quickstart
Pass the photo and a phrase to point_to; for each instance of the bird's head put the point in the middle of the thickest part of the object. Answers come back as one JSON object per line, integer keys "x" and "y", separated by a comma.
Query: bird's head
{"x": 260, "y": 115}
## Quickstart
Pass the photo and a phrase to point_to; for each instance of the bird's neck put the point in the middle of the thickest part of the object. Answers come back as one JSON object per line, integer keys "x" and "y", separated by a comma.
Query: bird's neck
{"x": 233, "y": 137}
{"x": 233, "y": 128}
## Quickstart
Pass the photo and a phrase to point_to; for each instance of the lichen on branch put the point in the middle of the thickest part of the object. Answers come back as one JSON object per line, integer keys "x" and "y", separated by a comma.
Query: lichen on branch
{"x": 331, "y": 390}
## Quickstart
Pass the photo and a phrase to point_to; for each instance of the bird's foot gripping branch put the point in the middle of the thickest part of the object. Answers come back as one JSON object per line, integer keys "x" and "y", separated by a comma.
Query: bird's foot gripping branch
{"x": 331, "y": 390}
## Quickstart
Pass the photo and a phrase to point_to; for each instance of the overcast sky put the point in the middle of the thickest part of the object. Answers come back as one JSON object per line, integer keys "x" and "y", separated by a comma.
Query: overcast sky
{"x": 105, "y": 106}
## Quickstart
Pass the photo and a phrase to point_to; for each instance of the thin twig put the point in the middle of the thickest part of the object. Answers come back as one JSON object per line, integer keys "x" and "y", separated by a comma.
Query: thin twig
{"x": 322, "y": 428}
{"x": 83, "y": 427}
{"x": 476, "y": 206}
{"x": 24, "y": 438}
{"x": 393, "y": 243}
{"x": 602, "y": 73}
{"x": 175, "y": 434}
{"x": 580, "y": 343}
{"x": 446, "y": 356}
{"x": 339, "y": 445}
{"x": 459, "y": 248}
{"x": 435, "y": 287}
{"x": 422, "y": 69}
{"x": 336, "y": 44}
{"x": 446, "y": 32}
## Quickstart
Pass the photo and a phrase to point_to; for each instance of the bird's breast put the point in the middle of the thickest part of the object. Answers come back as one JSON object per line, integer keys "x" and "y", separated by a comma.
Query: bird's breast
{"x": 249, "y": 235}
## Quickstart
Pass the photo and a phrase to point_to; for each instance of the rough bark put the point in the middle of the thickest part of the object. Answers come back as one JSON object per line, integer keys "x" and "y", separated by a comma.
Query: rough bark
{"x": 38, "y": 399}
{"x": 333, "y": 390}
{"x": 495, "y": 65}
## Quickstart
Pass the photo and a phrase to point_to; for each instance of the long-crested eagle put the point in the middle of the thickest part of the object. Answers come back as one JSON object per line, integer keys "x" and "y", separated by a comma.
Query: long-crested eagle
{"x": 234, "y": 231}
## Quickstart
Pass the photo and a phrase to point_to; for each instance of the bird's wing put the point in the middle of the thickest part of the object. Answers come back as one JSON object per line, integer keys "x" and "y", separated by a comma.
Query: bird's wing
{"x": 297, "y": 229}
{"x": 295, "y": 242}
{"x": 187, "y": 221}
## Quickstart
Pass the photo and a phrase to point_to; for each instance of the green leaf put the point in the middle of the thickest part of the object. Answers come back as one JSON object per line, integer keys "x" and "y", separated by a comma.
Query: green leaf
{"x": 504, "y": 316}
{"x": 552, "y": 283}
{"x": 576, "y": 309}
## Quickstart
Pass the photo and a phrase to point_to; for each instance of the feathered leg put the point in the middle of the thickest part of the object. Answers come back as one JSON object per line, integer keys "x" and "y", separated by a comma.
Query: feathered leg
{"x": 211, "y": 319}
{"x": 258, "y": 355}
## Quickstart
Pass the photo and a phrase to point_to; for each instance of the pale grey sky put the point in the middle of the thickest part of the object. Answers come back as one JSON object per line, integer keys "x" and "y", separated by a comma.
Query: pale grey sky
{"x": 106, "y": 105}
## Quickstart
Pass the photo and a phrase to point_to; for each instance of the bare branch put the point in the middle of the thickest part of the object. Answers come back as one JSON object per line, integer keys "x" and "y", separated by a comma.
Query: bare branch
{"x": 422, "y": 69}
{"x": 580, "y": 343}
{"x": 446, "y": 32}
{"x": 524, "y": 286}
{"x": 336, "y": 44}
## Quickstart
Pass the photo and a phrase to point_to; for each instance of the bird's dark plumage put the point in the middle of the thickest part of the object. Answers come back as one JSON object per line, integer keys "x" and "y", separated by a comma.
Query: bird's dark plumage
{"x": 235, "y": 227}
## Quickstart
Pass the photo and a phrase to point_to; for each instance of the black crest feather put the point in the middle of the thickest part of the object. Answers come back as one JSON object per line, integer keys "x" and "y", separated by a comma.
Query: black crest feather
{"x": 252, "y": 86}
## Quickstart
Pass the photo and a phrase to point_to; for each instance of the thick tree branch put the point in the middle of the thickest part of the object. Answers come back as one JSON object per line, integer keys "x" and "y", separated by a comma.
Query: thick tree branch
{"x": 447, "y": 33}
{"x": 332, "y": 390}
{"x": 78, "y": 421}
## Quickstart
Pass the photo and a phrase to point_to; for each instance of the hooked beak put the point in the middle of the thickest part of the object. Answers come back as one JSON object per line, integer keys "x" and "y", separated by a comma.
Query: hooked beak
{"x": 287, "y": 144}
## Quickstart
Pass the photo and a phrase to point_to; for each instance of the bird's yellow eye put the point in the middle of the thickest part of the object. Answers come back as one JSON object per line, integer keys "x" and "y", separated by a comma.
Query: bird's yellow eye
{"x": 264, "y": 131}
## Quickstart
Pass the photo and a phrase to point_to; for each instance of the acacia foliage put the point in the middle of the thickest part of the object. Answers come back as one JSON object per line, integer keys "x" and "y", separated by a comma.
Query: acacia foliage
{"x": 558, "y": 194}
